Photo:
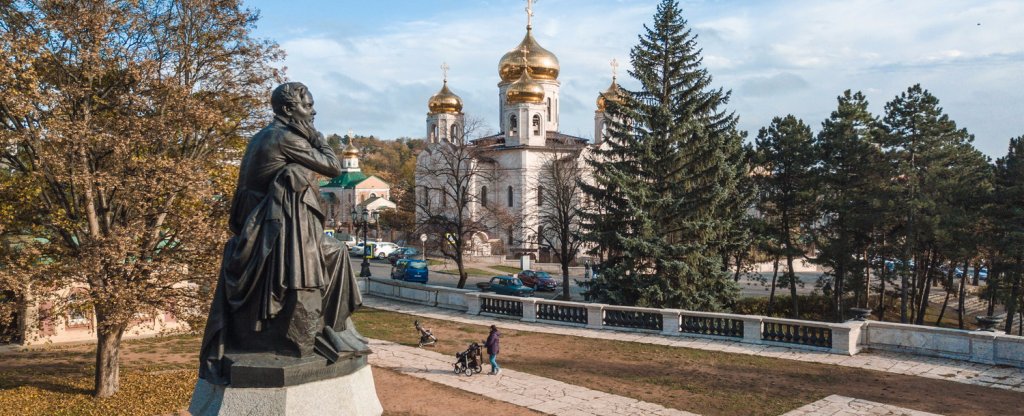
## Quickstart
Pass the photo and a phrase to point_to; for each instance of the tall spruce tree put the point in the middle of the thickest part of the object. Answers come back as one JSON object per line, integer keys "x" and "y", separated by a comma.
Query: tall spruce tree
{"x": 785, "y": 157}
{"x": 848, "y": 176}
{"x": 666, "y": 178}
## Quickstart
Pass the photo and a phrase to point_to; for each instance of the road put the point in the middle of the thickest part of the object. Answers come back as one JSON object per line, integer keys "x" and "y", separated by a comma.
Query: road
{"x": 748, "y": 287}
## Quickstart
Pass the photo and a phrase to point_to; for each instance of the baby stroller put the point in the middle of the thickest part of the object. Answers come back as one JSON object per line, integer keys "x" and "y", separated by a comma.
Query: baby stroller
{"x": 469, "y": 361}
{"x": 426, "y": 337}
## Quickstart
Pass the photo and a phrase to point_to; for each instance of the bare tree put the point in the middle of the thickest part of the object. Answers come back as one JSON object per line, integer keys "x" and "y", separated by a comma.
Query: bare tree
{"x": 558, "y": 214}
{"x": 450, "y": 204}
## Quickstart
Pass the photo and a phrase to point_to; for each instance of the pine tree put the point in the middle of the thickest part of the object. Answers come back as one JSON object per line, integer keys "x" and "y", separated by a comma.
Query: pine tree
{"x": 785, "y": 157}
{"x": 848, "y": 177}
{"x": 666, "y": 178}
{"x": 1008, "y": 213}
{"x": 938, "y": 168}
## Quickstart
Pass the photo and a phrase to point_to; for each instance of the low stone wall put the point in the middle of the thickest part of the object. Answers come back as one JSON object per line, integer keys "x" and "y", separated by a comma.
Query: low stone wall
{"x": 846, "y": 338}
{"x": 439, "y": 296}
{"x": 975, "y": 346}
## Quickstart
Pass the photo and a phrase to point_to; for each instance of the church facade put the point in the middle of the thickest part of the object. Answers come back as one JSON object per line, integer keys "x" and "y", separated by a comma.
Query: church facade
{"x": 506, "y": 193}
{"x": 352, "y": 190}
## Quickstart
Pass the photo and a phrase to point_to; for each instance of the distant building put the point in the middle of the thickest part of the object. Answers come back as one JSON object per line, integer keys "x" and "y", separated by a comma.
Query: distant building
{"x": 352, "y": 190}
{"x": 528, "y": 111}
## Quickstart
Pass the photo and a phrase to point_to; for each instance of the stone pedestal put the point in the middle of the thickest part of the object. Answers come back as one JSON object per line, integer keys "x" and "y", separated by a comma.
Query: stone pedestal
{"x": 263, "y": 384}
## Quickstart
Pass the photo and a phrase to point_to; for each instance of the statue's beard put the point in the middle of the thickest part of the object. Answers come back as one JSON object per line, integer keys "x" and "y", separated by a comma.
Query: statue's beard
{"x": 303, "y": 127}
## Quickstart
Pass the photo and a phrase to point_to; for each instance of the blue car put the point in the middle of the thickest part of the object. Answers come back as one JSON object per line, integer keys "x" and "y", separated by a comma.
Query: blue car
{"x": 508, "y": 285}
{"x": 410, "y": 271}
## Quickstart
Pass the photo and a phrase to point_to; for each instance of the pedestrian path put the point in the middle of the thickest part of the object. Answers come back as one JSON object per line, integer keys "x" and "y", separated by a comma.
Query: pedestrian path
{"x": 844, "y": 406}
{"x": 538, "y": 393}
{"x": 1008, "y": 378}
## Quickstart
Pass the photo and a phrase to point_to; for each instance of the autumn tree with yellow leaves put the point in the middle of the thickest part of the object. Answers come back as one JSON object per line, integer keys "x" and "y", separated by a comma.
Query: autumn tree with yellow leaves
{"x": 119, "y": 125}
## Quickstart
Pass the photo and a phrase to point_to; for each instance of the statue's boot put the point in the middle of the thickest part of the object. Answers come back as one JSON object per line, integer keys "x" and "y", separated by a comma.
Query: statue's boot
{"x": 354, "y": 341}
{"x": 329, "y": 345}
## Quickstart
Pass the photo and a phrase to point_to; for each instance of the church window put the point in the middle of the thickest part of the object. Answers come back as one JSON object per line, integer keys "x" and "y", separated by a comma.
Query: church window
{"x": 549, "y": 108}
{"x": 540, "y": 235}
{"x": 483, "y": 196}
{"x": 540, "y": 195}
{"x": 536, "y": 124}
{"x": 455, "y": 131}
{"x": 510, "y": 196}
{"x": 433, "y": 133}
{"x": 513, "y": 125}
{"x": 426, "y": 197}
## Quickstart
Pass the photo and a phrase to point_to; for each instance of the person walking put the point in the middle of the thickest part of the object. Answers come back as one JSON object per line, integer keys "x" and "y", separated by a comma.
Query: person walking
{"x": 492, "y": 344}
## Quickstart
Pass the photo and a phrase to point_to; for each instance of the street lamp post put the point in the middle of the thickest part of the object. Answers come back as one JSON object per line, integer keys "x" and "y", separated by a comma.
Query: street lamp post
{"x": 362, "y": 219}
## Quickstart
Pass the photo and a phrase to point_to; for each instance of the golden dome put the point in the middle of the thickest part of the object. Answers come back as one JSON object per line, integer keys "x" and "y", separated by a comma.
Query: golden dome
{"x": 525, "y": 90}
{"x": 613, "y": 93}
{"x": 350, "y": 150}
{"x": 445, "y": 101}
{"x": 543, "y": 64}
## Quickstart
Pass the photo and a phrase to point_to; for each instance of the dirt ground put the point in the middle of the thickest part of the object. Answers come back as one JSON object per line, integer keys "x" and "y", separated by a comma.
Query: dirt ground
{"x": 703, "y": 382}
{"x": 32, "y": 381}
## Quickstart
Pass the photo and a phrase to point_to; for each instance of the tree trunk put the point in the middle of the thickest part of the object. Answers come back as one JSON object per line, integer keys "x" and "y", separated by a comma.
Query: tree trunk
{"x": 926, "y": 281}
{"x": 993, "y": 286}
{"x": 108, "y": 352}
{"x": 565, "y": 278}
{"x": 739, "y": 266}
{"x": 771, "y": 295}
{"x": 977, "y": 273}
{"x": 881, "y": 293}
{"x": 1011, "y": 306}
{"x": 961, "y": 297}
{"x": 942, "y": 312}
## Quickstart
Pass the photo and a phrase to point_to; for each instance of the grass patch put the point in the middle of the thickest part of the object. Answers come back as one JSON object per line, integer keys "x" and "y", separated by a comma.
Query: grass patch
{"x": 506, "y": 269}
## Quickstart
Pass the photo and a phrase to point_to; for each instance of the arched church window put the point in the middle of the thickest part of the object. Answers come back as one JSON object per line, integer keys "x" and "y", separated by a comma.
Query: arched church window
{"x": 549, "y": 108}
{"x": 540, "y": 235}
{"x": 483, "y": 196}
{"x": 433, "y": 133}
{"x": 536, "y": 124}
{"x": 510, "y": 196}
{"x": 426, "y": 197}
{"x": 513, "y": 125}
{"x": 455, "y": 131}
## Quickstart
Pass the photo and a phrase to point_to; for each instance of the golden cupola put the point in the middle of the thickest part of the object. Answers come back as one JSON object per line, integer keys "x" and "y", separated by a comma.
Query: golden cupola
{"x": 542, "y": 63}
{"x": 350, "y": 150}
{"x": 525, "y": 89}
{"x": 445, "y": 101}
{"x": 613, "y": 94}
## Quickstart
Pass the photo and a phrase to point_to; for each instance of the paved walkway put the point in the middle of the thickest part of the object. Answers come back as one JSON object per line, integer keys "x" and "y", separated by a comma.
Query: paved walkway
{"x": 929, "y": 367}
{"x": 843, "y": 406}
{"x": 522, "y": 389}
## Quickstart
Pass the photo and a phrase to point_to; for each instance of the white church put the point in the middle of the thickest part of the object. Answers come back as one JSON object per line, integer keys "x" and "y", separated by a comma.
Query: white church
{"x": 528, "y": 103}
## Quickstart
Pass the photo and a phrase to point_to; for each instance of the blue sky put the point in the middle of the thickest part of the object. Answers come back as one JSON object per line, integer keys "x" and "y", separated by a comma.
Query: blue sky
{"x": 372, "y": 65}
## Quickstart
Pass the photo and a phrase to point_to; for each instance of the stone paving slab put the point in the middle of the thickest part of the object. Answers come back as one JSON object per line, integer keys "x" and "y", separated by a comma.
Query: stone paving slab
{"x": 843, "y": 406}
{"x": 1008, "y": 378}
{"x": 522, "y": 389}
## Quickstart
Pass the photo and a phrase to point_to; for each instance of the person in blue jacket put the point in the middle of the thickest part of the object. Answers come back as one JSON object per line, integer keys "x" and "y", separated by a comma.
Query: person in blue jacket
{"x": 493, "y": 346}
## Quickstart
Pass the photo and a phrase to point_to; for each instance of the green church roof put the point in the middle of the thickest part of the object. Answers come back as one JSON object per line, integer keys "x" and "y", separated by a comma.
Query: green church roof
{"x": 346, "y": 180}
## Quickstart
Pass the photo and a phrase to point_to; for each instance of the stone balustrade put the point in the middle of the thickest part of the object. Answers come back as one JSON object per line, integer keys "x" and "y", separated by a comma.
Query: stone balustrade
{"x": 846, "y": 338}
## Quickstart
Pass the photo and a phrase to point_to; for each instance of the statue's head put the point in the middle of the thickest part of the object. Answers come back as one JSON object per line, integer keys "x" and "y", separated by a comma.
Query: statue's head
{"x": 293, "y": 103}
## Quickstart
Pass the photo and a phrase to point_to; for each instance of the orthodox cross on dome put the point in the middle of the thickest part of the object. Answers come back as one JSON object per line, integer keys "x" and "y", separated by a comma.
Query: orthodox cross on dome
{"x": 615, "y": 66}
{"x": 529, "y": 13}
{"x": 526, "y": 62}
{"x": 444, "y": 71}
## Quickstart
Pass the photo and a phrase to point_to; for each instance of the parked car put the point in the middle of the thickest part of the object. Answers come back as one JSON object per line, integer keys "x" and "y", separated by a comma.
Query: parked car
{"x": 410, "y": 270}
{"x": 508, "y": 285}
{"x": 403, "y": 253}
{"x": 538, "y": 280}
{"x": 348, "y": 239}
{"x": 982, "y": 274}
{"x": 380, "y": 249}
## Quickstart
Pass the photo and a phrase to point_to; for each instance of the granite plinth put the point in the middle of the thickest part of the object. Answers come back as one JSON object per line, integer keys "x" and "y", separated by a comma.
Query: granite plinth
{"x": 348, "y": 395}
{"x": 264, "y": 370}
